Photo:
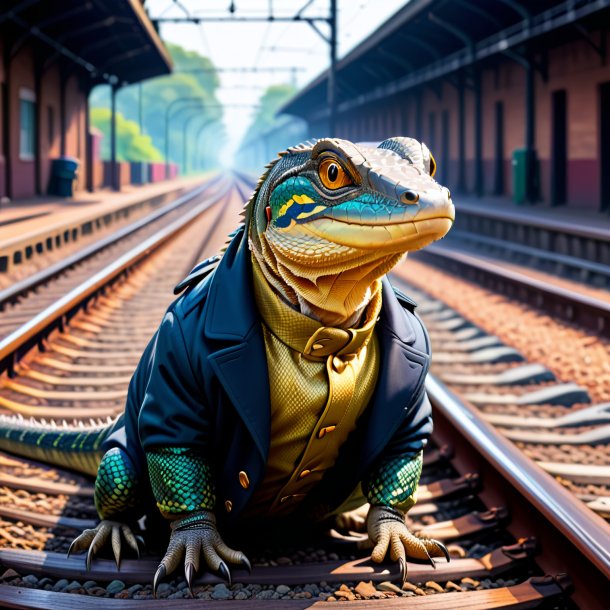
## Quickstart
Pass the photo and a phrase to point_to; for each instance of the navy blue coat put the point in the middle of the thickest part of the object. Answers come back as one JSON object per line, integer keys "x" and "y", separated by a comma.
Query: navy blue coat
{"x": 203, "y": 382}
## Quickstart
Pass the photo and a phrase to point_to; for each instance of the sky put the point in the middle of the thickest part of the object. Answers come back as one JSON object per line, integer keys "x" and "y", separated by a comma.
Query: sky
{"x": 265, "y": 44}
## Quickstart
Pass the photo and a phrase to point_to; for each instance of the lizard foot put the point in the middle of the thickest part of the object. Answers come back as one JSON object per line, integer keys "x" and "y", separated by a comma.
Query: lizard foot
{"x": 388, "y": 531}
{"x": 93, "y": 540}
{"x": 192, "y": 537}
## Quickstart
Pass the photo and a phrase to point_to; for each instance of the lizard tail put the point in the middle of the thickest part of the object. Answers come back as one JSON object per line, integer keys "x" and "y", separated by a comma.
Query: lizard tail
{"x": 72, "y": 446}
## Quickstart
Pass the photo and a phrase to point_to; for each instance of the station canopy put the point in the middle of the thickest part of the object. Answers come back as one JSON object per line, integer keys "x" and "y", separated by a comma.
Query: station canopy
{"x": 430, "y": 39}
{"x": 113, "y": 40}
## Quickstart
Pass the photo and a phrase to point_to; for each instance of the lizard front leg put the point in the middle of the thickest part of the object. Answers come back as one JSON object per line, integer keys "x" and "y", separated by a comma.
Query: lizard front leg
{"x": 182, "y": 484}
{"x": 116, "y": 500}
{"x": 391, "y": 490}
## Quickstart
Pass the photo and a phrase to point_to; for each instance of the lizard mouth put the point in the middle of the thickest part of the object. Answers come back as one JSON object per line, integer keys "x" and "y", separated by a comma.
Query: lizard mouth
{"x": 398, "y": 236}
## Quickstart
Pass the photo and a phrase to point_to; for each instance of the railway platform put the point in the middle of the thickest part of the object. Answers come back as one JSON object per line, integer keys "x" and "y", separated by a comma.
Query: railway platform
{"x": 574, "y": 221}
{"x": 32, "y": 230}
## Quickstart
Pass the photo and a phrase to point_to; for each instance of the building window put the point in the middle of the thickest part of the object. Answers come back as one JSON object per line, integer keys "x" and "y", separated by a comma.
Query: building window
{"x": 27, "y": 125}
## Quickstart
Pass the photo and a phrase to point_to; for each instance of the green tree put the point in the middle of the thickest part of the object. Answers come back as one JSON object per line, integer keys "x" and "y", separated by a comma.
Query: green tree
{"x": 194, "y": 77}
{"x": 131, "y": 144}
{"x": 270, "y": 131}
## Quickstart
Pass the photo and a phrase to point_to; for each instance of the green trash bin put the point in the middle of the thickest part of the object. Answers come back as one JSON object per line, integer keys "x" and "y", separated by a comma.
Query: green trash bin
{"x": 64, "y": 171}
{"x": 519, "y": 175}
{"x": 522, "y": 159}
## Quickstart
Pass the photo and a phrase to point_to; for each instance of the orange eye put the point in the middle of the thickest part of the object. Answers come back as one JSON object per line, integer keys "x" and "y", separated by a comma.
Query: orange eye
{"x": 333, "y": 176}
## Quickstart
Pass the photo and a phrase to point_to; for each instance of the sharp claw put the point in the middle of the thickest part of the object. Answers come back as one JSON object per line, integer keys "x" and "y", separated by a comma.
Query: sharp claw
{"x": 159, "y": 576}
{"x": 224, "y": 572}
{"x": 89, "y": 558}
{"x": 189, "y": 572}
{"x": 403, "y": 569}
{"x": 443, "y": 549}
{"x": 246, "y": 563}
{"x": 430, "y": 560}
{"x": 71, "y": 548}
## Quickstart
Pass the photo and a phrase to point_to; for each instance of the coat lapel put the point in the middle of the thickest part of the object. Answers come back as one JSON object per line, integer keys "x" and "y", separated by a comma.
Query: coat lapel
{"x": 401, "y": 374}
{"x": 239, "y": 362}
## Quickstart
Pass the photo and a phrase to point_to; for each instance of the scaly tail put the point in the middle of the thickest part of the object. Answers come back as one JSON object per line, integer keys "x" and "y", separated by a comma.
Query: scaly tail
{"x": 75, "y": 446}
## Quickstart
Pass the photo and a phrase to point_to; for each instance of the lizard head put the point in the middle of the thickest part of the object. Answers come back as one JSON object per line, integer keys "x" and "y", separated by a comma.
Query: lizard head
{"x": 328, "y": 219}
{"x": 337, "y": 199}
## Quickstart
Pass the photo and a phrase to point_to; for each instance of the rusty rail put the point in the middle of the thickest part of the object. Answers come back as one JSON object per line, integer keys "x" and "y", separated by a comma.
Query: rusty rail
{"x": 20, "y": 288}
{"x": 55, "y": 316}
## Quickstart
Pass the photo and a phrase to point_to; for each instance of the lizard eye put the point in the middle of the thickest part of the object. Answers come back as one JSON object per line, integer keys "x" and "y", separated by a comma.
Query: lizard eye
{"x": 332, "y": 175}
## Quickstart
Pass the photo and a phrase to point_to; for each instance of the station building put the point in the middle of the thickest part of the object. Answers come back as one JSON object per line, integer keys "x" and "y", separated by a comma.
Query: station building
{"x": 53, "y": 54}
{"x": 512, "y": 96}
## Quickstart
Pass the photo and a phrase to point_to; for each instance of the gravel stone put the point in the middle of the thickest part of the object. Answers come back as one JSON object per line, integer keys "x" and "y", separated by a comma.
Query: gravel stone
{"x": 10, "y": 574}
{"x": 164, "y": 587}
{"x": 61, "y": 585}
{"x": 134, "y": 589}
{"x": 221, "y": 592}
{"x": 283, "y": 589}
{"x": 116, "y": 586}
{"x": 241, "y": 595}
{"x": 88, "y": 584}
{"x": 30, "y": 579}
{"x": 73, "y": 585}
{"x": 43, "y": 582}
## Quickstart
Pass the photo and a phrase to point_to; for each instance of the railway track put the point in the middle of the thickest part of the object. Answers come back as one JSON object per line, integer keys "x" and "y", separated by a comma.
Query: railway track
{"x": 478, "y": 493}
{"x": 24, "y": 298}
{"x": 556, "y": 422}
{"x": 587, "y": 307}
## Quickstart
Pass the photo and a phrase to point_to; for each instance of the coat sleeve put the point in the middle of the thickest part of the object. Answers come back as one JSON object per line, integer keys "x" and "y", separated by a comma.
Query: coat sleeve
{"x": 173, "y": 411}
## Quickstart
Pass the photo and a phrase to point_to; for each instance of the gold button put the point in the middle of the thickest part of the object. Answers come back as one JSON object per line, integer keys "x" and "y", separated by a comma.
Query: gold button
{"x": 228, "y": 505}
{"x": 304, "y": 473}
{"x": 244, "y": 481}
{"x": 324, "y": 431}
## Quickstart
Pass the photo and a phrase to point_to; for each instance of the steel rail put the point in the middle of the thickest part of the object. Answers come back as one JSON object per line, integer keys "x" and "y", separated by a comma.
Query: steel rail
{"x": 588, "y": 532}
{"x": 54, "y": 316}
{"x": 10, "y": 294}
{"x": 578, "y": 308}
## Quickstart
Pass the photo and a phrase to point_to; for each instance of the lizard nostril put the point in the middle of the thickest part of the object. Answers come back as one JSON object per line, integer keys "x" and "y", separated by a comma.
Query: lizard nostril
{"x": 409, "y": 197}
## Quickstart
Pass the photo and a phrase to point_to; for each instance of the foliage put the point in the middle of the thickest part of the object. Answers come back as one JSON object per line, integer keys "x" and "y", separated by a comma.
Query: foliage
{"x": 131, "y": 144}
{"x": 270, "y": 132}
{"x": 194, "y": 77}
{"x": 271, "y": 101}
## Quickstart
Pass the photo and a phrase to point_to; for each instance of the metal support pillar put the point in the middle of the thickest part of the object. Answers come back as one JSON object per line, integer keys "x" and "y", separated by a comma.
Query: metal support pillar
{"x": 89, "y": 185}
{"x": 418, "y": 115}
{"x": 185, "y": 137}
{"x": 530, "y": 133}
{"x": 140, "y": 108}
{"x": 332, "y": 72}
{"x": 461, "y": 181}
{"x": 37, "y": 128}
{"x": 6, "y": 120}
{"x": 114, "y": 177}
{"x": 168, "y": 113}
{"x": 63, "y": 80}
{"x": 478, "y": 135}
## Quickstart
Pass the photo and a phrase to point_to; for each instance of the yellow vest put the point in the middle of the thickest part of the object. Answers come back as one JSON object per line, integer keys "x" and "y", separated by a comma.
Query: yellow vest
{"x": 321, "y": 380}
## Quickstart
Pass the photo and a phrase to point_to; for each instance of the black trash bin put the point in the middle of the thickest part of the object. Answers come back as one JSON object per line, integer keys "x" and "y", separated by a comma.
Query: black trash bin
{"x": 63, "y": 173}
